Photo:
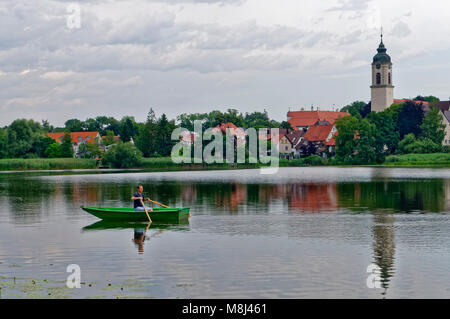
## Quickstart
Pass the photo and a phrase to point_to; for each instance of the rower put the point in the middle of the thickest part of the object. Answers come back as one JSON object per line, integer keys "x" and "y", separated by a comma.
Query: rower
{"x": 139, "y": 200}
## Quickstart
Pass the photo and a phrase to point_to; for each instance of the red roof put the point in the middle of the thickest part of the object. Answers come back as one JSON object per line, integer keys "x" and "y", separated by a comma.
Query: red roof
{"x": 318, "y": 133}
{"x": 77, "y": 137}
{"x": 399, "y": 101}
{"x": 309, "y": 118}
{"x": 233, "y": 129}
{"x": 332, "y": 141}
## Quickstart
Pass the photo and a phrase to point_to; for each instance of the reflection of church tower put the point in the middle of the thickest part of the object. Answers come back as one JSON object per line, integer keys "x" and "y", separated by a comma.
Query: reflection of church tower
{"x": 382, "y": 89}
{"x": 384, "y": 246}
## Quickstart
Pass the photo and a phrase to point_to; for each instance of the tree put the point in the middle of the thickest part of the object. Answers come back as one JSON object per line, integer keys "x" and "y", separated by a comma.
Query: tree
{"x": 40, "y": 145}
{"x": 92, "y": 150}
{"x": 3, "y": 143}
{"x": 357, "y": 109}
{"x": 53, "y": 151}
{"x": 74, "y": 125}
{"x": 91, "y": 125}
{"x": 405, "y": 142}
{"x": 365, "y": 144}
{"x": 109, "y": 138}
{"x": 432, "y": 127}
{"x": 386, "y": 134}
{"x": 22, "y": 134}
{"x": 286, "y": 125}
{"x": 356, "y": 141}
{"x": 123, "y": 155}
{"x": 128, "y": 128}
{"x": 429, "y": 98}
{"x": 146, "y": 140}
{"x": 345, "y": 141}
{"x": 66, "y": 145}
{"x": 164, "y": 143}
{"x": 410, "y": 119}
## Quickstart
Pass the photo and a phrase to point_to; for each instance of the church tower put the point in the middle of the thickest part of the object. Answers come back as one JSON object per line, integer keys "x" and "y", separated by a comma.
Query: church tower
{"x": 382, "y": 89}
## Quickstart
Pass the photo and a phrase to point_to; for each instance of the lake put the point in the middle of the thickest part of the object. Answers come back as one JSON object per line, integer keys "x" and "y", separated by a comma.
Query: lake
{"x": 301, "y": 233}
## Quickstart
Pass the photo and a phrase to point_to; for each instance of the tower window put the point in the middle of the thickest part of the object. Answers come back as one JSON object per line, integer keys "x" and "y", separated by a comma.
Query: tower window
{"x": 389, "y": 77}
{"x": 378, "y": 78}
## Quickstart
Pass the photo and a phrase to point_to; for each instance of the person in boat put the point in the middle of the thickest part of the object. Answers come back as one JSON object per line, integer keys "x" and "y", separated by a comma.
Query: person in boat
{"x": 139, "y": 200}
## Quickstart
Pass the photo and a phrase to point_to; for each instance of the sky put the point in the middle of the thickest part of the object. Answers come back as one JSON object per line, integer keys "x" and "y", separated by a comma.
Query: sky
{"x": 123, "y": 57}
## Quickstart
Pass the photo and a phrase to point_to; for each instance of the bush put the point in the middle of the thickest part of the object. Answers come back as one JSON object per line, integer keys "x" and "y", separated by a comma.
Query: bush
{"x": 313, "y": 160}
{"x": 123, "y": 155}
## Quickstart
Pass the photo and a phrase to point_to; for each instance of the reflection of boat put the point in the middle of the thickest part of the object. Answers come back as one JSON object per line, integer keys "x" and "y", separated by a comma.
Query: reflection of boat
{"x": 129, "y": 214}
{"x": 108, "y": 224}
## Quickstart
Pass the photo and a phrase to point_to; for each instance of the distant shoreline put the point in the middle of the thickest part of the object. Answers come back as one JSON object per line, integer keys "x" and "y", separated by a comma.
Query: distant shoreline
{"x": 438, "y": 160}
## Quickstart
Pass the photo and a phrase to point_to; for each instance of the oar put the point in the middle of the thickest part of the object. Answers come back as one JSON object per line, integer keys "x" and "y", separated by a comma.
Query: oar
{"x": 158, "y": 203}
{"x": 146, "y": 211}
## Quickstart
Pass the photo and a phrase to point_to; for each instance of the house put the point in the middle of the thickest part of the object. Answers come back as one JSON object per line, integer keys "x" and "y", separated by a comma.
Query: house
{"x": 296, "y": 138}
{"x": 239, "y": 133}
{"x": 444, "y": 107}
{"x": 319, "y": 140}
{"x": 284, "y": 146}
{"x": 305, "y": 119}
{"x": 78, "y": 138}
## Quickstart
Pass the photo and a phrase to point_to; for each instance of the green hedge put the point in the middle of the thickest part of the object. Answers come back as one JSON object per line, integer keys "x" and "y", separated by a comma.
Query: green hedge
{"x": 46, "y": 163}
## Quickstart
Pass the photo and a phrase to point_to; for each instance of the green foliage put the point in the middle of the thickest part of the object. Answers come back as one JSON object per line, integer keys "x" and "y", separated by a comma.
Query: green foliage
{"x": 66, "y": 145}
{"x": 123, "y": 155}
{"x": 411, "y": 145}
{"x": 313, "y": 160}
{"x": 109, "y": 139}
{"x": 74, "y": 125}
{"x": 128, "y": 129}
{"x": 432, "y": 127}
{"x": 3, "y": 143}
{"x": 386, "y": 134}
{"x": 419, "y": 159}
{"x": 429, "y": 98}
{"x": 46, "y": 163}
{"x": 53, "y": 151}
{"x": 286, "y": 125}
{"x": 357, "y": 109}
{"x": 410, "y": 119}
{"x": 405, "y": 142}
{"x": 345, "y": 141}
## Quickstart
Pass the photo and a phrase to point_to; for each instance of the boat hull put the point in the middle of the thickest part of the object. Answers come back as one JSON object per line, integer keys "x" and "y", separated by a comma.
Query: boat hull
{"x": 129, "y": 214}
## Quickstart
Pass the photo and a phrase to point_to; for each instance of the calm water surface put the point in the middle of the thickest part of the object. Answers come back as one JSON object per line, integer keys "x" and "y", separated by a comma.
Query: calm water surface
{"x": 302, "y": 233}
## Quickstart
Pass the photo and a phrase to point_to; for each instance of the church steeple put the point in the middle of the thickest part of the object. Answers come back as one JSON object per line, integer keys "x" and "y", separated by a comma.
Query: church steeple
{"x": 382, "y": 56}
{"x": 382, "y": 88}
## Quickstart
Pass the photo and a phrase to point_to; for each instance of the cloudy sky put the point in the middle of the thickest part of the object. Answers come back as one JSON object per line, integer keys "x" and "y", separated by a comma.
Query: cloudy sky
{"x": 197, "y": 55}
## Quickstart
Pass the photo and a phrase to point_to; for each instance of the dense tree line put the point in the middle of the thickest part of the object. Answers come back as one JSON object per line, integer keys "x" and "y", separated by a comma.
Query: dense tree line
{"x": 368, "y": 137}
{"x": 27, "y": 138}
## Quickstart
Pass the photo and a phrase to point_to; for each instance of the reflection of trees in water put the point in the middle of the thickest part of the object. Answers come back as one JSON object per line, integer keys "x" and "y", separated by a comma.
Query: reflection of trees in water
{"x": 404, "y": 196}
{"x": 27, "y": 196}
{"x": 384, "y": 246}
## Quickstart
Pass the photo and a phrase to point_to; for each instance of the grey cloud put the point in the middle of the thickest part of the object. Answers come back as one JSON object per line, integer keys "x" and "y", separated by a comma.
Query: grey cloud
{"x": 401, "y": 30}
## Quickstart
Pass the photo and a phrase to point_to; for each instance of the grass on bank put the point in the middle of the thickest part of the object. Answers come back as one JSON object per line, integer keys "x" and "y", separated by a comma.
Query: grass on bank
{"x": 46, "y": 163}
{"x": 166, "y": 163}
{"x": 435, "y": 159}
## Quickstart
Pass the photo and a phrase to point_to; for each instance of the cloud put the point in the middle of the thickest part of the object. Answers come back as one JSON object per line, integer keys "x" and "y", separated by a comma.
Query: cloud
{"x": 186, "y": 55}
{"x": 400, "y": 30}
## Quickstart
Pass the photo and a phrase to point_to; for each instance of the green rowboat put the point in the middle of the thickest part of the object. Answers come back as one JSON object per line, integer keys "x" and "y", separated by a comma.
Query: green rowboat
{"x": 129, "y": 214}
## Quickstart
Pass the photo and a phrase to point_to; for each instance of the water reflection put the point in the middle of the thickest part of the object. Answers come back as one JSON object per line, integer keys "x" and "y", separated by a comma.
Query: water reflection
{"x": 384, "y": 246}
{"x": 140, "y": 230}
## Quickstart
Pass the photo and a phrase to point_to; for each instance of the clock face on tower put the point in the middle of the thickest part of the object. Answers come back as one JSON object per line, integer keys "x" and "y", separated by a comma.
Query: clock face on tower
{"x": 378, "y": 66}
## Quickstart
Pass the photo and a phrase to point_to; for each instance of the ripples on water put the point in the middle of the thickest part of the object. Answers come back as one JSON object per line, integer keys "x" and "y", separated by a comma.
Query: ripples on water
{"x": 302, "y": 233}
